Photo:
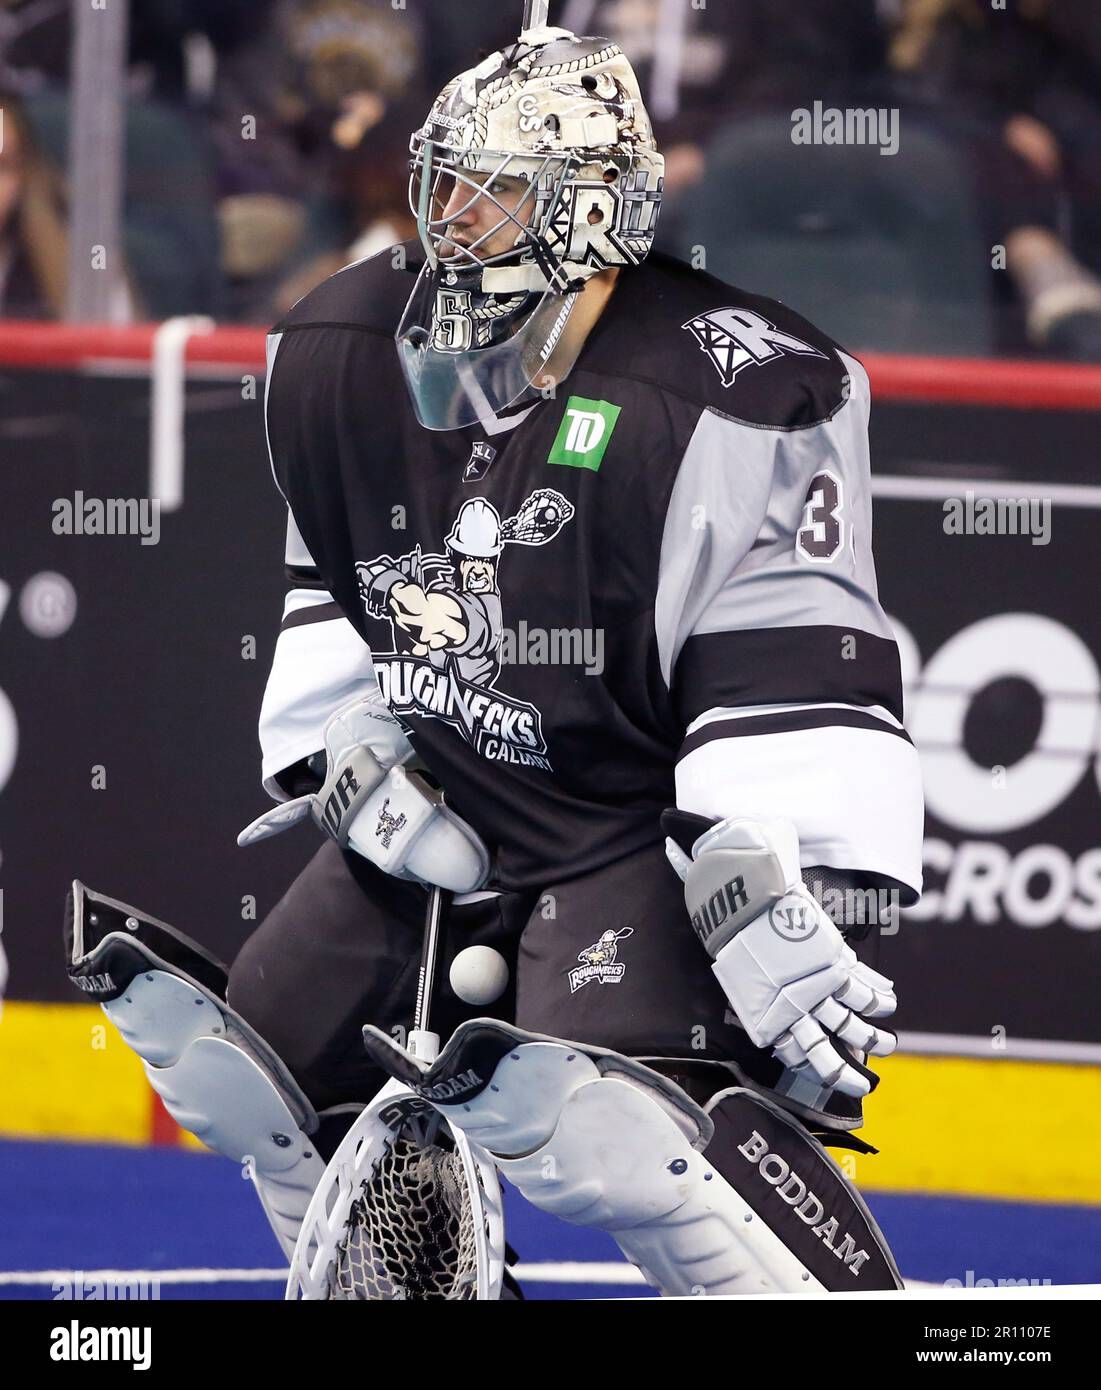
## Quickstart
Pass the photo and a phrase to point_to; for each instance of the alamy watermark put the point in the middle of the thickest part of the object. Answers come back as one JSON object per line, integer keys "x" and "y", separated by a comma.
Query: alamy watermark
{"x": 94, "y": 1343}
{"x": 859, "y": 907}
{"x": 969, "y": 1281}
{"x": 80, "y": 515}
{"x": 554, "y": 646}
{"x": 80, "y": 1287}
{"x": 853, "y": 125}
{"x": 998, "y": 516}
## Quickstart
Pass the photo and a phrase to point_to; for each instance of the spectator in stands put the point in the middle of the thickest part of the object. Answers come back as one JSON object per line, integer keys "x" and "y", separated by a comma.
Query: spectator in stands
{"x": 370, "y": 182}
{"x": 36, "y": 38}
{"x": 326, "y": 81}
{"x": 33, "y": 243}
{"x": 1022, "y": 88}
{"x": 1062, "y": 299}
{"x": 280, "y": 92}
{"x": 34, "y": 44}
{"x": 33, "y": 237}
{"x": 698, "y": 67}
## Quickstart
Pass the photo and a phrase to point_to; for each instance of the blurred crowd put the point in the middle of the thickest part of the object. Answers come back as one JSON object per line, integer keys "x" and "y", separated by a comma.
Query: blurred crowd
{"x": 267, "y": 146}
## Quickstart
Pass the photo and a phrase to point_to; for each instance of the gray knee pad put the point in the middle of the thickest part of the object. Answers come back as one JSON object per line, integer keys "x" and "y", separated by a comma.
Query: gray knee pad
{"x": 735, "y": 1199}
{"x": 617, "y": 1161}
{"x": 217, "y": 1077}
{"x": 598, "y": 1140}
{"x": 762, "y": 1210}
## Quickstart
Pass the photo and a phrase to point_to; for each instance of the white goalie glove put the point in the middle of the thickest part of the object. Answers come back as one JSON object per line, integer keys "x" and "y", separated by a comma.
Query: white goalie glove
{"x": 369, "y": 802}
{"x": 789, "y": 976}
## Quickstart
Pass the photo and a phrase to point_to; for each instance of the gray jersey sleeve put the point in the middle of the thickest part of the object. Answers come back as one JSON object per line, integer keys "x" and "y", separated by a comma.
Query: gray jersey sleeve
{"x": 781, "y": 663}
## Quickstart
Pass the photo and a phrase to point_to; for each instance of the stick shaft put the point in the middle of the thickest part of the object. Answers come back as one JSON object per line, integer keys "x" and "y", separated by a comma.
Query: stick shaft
{"x": 535, "y": 13}
{"x": 430, "y": 956}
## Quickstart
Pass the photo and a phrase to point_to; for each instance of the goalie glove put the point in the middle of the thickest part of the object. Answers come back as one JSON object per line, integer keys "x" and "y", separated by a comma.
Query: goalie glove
{"x": 785, "y": 968}
{"x": 368, "y": 802}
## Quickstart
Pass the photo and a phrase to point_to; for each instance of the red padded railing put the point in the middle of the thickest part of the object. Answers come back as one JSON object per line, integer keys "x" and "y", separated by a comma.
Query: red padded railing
{"x": 952, "y": 380}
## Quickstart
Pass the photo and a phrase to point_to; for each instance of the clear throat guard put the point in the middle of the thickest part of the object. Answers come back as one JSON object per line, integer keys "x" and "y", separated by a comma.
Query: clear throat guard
{"x": 452, "y": 382}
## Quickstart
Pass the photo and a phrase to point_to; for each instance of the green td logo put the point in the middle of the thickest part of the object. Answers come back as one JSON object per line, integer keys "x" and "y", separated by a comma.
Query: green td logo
{"x": 584, "y": 434}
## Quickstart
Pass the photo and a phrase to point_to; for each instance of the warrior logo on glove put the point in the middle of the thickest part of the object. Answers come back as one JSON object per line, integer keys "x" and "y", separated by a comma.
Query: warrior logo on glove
{"x": 339, "y": 800}
{"x": 793, "y": 918}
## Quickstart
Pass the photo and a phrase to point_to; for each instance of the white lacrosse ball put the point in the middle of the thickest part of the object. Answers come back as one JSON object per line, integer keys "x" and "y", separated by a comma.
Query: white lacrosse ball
{"x": 479, "y": 975}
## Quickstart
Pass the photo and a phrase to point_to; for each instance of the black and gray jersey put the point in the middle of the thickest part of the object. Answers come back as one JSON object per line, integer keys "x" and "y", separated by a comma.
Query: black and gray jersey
{"x": 653, "y": 587}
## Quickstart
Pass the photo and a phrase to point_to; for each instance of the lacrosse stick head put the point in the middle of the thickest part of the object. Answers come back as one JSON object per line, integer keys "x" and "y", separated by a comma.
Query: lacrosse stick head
{"x": 406, "y": 1209}
{"x": 540, "y": 518}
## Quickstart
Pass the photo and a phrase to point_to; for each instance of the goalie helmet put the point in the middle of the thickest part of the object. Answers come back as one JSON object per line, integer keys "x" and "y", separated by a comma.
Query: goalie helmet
{"x": 563, "y": 119}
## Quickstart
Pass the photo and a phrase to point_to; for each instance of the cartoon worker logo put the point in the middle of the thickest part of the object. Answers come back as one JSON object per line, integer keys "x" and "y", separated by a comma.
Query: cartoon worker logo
{"x": 446, "y": 619}
{"x": 598, "y": 961}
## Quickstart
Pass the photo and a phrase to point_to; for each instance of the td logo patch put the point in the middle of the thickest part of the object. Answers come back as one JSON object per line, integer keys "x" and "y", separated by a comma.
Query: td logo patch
{"x": 585, "y": 433}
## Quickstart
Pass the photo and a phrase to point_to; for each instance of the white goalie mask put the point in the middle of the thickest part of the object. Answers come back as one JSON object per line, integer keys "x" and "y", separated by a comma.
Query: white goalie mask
{"x": 553, "y": 134}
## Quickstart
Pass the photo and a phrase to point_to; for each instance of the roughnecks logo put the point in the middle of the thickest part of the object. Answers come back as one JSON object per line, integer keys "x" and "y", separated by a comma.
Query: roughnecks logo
{"x": 445, "y": 615}
{"x": 598, "y": 961}
{"x": 499, "y": 728}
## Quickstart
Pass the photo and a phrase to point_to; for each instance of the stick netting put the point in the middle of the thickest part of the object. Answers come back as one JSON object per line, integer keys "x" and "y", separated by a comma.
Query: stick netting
{"x": 411, "y": 1231}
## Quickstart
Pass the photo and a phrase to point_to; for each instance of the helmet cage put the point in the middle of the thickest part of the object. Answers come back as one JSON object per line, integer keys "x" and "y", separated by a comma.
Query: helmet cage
{"x": 547, "y": 177}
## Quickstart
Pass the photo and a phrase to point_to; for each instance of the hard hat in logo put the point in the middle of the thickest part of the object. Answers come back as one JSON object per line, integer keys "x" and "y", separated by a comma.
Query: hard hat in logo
{"x": 477, "y": 531}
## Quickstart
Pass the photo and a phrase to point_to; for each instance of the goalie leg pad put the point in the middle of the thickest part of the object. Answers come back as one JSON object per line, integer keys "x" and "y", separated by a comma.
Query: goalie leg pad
{"x": 217, "y": 1091}
{"x": 618, "y": 1162}
{"x": 792, "y": 1184}
{"x": 602, "y": 1141}
{"x": 217, "y": 1077}
{"x": 518, "y": 1110}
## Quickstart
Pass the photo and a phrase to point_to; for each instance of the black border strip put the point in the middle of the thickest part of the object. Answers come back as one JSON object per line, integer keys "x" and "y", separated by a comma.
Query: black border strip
{"x": 315, "y": 613}
{"x": 792, "y": 722}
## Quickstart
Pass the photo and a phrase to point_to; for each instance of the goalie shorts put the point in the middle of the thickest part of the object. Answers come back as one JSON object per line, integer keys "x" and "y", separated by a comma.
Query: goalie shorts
{"x": 608, "y": 959}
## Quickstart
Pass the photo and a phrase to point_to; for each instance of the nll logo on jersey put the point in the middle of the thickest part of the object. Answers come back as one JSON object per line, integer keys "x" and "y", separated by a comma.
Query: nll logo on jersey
{"x": 585, "y": 433}
{"x": 737, "y": 338}
{"x": 481, "y": 456}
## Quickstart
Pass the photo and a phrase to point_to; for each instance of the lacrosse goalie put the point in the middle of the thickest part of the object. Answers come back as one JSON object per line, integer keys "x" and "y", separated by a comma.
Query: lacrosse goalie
{"x": 526, "y": 420}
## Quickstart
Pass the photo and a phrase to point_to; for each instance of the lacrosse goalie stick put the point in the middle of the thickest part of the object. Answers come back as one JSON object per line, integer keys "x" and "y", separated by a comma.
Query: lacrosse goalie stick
{"x": 407, "y": 1208}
